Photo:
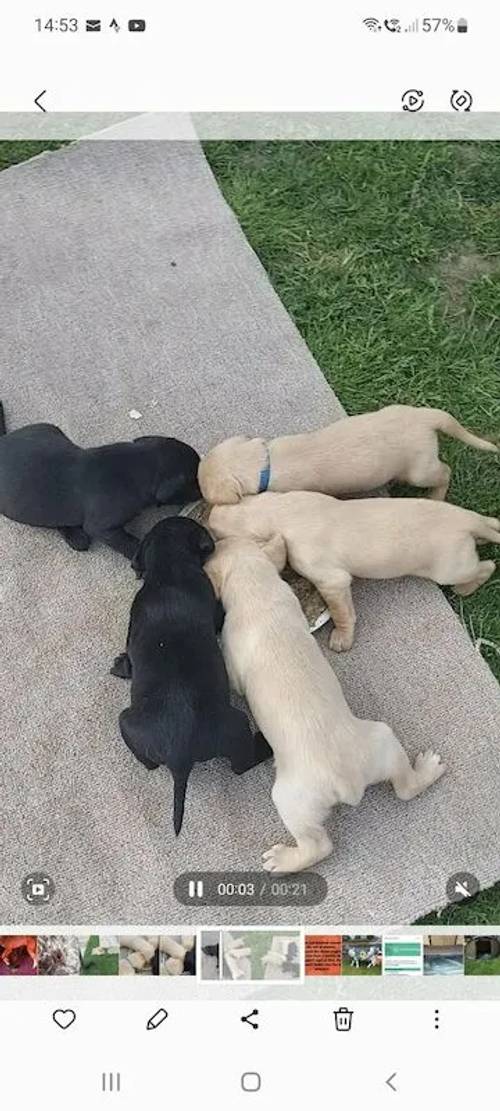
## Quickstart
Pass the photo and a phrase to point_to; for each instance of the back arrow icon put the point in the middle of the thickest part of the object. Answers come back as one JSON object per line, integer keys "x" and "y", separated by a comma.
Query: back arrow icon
{"x": 390, "y": 1084}
{"x": 38, "y": 99}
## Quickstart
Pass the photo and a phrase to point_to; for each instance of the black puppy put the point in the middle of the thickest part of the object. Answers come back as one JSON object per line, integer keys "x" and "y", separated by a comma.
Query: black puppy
{"x": 47, "y": 481}
{"x": 180, "y": 711}
{"x": 212, "y": 951}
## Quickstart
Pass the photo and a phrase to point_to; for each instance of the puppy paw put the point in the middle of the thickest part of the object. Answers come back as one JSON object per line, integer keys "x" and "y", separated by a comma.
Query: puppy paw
{"x": 340, "y": 641}
{"x": 429, "y": 767}
{"x": 122, "y": 668}
{"x": 281, "y": 858}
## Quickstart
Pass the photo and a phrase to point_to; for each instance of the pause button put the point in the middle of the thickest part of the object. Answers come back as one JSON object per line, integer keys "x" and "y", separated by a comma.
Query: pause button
{"x": 110, "y": 1082}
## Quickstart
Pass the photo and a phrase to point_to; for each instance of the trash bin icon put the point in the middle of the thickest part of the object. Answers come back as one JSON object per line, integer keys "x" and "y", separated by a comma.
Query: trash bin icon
{"x": 343, "y": 1019}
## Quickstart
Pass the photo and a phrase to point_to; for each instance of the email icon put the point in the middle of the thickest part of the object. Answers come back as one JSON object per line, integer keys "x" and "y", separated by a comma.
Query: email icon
{"x": 93, "y": 25}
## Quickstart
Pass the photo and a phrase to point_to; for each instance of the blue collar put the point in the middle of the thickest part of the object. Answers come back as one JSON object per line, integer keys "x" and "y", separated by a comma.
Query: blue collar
{"x": 265, "y": 474}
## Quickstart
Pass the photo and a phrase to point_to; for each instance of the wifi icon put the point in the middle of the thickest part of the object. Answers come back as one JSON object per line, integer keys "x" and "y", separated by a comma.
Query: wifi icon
{"x": 372, "y": 24}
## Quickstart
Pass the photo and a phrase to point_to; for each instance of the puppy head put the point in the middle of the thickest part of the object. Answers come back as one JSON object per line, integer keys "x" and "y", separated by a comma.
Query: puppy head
{"x": 175, "y": 469}
{"x": 236, "y": 551}
{"x": 221, "y": 562}
{"x": 223, "y": 521}
{"x": 229, "y": 521}
{"x": 231, "y": 470}
{"x": 176, "y": 539}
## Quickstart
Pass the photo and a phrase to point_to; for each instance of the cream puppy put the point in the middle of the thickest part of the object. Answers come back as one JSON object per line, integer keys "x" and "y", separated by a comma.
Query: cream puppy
{"x": 330, "y": 542}
{"x": 348, "y": 457}
{"x": 323, "y": 754}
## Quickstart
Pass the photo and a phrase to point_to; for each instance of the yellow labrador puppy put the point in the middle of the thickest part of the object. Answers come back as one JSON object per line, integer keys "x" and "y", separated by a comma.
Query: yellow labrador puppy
{"x": 330, "y": 542}
{"x": 348, "y": 457}
{"x": 323, "y": 754}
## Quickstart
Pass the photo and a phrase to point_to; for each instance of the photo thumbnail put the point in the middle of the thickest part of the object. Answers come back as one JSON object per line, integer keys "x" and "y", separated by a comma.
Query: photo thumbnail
{"x": 443, "y": 955}
{"x": 245, "y": 956}
{"x": 18, "y": 956}
{"x": 58, "y": 956}
{"x": 139, "y": 956}
{"x": 482, "y": 956}
{"x": 178, "y": 955}
{"x": 211, "y": 955}
{"x": 362, "y": 956}
{"x": 99, "y": 956}
{"x": 323, "y": 955}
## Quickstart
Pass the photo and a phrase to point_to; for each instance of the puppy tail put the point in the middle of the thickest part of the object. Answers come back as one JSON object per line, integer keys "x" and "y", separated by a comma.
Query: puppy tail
{"x": 181, "y": 776}
{"x": 3, "y": 426}
{"x": 444, "y": 422}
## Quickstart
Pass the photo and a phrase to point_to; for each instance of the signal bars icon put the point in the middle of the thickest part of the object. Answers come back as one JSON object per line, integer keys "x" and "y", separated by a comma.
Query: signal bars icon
{"x": 413, "y": 26}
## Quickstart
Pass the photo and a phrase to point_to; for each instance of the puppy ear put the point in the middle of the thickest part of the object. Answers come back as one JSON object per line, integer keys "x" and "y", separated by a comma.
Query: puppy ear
{"x": 225, "y": 490}
{"x": 138, "y": 561}
{"x": 232, "y": 490}
{"x": 204, "y": 544}
{"x": 275, "y": 549}
{"x": 167, "y": 489}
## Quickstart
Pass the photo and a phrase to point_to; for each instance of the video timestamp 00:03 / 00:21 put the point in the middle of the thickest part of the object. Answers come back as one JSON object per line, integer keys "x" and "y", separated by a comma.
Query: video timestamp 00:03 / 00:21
{"x": 288, "y": 889}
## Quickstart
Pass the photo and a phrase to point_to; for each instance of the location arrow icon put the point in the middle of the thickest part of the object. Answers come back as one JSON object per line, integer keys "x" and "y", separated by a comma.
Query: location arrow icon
{"x": 38, "y": 99}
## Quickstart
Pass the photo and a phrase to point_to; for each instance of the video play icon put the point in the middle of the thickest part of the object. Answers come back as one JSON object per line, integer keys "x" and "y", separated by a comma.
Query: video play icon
{"x": 412, "y": 100}
{"x": 38, "y": 888}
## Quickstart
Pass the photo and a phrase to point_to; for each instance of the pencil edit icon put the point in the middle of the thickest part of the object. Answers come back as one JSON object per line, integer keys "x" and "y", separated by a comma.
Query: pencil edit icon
{"x": 156, "y": 1020}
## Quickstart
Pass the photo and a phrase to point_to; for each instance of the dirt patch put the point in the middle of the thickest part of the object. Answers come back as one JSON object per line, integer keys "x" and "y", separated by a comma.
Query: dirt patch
{"x": 458, "y": 271}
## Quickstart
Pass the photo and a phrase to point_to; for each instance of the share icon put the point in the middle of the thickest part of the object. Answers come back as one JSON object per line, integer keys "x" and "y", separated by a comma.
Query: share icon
{"x": 248, "y": 1019}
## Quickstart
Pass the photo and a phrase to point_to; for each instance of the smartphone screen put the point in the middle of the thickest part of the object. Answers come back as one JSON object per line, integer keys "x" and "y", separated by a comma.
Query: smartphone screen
{"x": 250, "y": 635}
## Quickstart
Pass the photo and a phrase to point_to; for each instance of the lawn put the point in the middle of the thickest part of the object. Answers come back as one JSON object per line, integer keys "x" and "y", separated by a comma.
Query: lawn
{"x": 347, "y": 970}
{"x": 482, "y": 967}
{"x": 10, "y": 153}
{"x": 387, "y": 257}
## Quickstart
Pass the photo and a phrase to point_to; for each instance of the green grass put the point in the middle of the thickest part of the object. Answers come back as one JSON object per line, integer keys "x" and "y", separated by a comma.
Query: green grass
{"x": 348, "y": 971}
{"x": 483, "y": 910}
{"x": 387, "y": 256}
{"x": 482, "y": 967}
{"x": 11, "y": 153}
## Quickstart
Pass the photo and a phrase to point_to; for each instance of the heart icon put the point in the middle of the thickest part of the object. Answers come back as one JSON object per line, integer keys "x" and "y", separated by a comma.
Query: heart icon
{"x": 64, "y": 1018}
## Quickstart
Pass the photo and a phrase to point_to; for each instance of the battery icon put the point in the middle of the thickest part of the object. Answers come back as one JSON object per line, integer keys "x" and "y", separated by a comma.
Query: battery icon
{"x": 462, "y": 26}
